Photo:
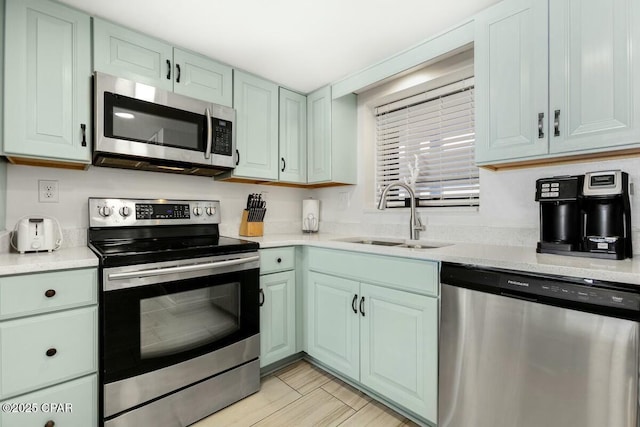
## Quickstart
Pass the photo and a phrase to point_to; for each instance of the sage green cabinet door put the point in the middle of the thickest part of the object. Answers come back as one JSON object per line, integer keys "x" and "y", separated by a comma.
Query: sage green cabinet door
{"x": 333, "y": 335}
{"x": 277, "y": 316}
{"x": 511, "y": 65}
{"x": 70, "y": 404}
{"x": 594, "y": 79}
{"x": 125, "y": 53}
{"x": 293, "y": 137}
{"x": 319, "y": 135}
{"x": 399, "y": 348}
{"x": 256, "y": 104}
{"x": 47, "y": 81}
{"x": 202, "y": 78}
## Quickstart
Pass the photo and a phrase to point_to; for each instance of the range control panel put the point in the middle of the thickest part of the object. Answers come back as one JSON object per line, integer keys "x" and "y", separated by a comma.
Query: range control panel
{"x": 139, "y": 212}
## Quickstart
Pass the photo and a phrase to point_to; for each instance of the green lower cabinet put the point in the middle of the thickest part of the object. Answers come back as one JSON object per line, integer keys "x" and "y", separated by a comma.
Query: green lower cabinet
{"x": 399, "y": 348}
{"x": 333, "y": 322}
{"x": 386, "y": 339}
{"x": 277, "y": 316}
{"x": 71, "y": 404}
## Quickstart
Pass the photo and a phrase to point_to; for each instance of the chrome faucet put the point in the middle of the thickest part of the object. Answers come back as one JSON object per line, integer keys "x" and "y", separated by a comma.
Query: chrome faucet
{"x": 415, "y": 225}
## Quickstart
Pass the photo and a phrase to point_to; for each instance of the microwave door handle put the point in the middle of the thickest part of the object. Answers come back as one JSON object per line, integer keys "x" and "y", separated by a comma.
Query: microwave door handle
{"x": 181, "y": 269}
{"x": 207, "y": 151}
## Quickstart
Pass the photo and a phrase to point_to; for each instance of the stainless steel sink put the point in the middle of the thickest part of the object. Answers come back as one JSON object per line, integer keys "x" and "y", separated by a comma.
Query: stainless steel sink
{"x": 397, "y": 243}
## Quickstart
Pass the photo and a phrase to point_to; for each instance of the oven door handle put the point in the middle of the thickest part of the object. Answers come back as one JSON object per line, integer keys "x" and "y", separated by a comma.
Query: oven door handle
{"x": 181, "y": 269}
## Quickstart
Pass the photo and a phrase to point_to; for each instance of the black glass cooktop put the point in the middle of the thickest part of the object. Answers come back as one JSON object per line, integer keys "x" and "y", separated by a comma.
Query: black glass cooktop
{"x": 146, "y": 245}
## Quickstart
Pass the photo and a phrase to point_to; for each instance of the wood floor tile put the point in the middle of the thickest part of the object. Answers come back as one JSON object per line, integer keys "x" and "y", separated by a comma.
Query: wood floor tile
{"x": 318, "y": 408}
{"x": 375, "y": 414}
{"x": 347, "y": 394}
{"x": 273, "y": 396}
{"x": 303, "y": 377}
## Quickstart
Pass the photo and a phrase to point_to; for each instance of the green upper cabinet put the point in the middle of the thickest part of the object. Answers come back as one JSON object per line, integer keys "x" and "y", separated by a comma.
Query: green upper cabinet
{"x": 126, "y": 53}
{"x": 594, "y": 78}
{"x": 256, "y": 104}
{"x": 47, "y": 82}
{"x": 331, "y": 138}
{"x": 293, "y": 137}
{"x": 511, "y": 80}
{"x": 549, "y": 85}
{"x": 200, "y": 77}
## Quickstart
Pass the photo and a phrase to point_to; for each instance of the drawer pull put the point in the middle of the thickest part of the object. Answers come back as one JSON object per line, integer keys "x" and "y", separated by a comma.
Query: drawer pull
{"x": 51, "y": 352}
{"x": 279, "y": 260}
{"x": 50, "y": 423}
{"x": 50, "y": 293}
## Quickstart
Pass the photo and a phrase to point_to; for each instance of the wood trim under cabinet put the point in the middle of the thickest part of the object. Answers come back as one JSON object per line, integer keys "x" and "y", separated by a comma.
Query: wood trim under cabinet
{"x": 283, "y": 184}
{"x": 46, "y": 163}
{"x": 567, "y": 159}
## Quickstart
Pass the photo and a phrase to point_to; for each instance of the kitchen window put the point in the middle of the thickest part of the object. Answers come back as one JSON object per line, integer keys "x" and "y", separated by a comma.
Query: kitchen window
{"x": 432, "y": 132}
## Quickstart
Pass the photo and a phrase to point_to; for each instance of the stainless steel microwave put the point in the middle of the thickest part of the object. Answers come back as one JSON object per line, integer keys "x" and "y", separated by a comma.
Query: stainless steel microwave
{"x": 138, "y": 126}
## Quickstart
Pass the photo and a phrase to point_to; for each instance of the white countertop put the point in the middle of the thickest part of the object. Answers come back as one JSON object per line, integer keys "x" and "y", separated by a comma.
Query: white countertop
{"x": 506, "y": 257}
{"x": 65, "y": 258}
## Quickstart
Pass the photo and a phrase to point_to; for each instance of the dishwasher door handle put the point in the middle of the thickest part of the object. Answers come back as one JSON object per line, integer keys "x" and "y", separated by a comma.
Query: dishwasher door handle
{"x": 530, "y": 299}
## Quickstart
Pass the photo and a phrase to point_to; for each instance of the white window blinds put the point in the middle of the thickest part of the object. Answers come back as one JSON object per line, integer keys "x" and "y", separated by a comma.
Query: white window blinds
{"x": 437, "y": 126}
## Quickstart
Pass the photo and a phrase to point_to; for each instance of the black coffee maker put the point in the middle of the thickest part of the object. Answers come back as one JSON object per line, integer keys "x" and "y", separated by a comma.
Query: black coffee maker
{"x": 560, "y": 214}
{"x": 607, "y": 214}
{"x": 585, "y": 215}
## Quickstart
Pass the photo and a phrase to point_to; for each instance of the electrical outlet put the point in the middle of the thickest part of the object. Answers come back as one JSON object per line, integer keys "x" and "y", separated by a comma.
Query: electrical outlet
{"x": 47, "y": 191}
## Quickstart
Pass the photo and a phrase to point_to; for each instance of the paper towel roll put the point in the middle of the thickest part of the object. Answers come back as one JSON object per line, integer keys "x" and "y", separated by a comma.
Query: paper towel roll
{"x": 310, "y": 215}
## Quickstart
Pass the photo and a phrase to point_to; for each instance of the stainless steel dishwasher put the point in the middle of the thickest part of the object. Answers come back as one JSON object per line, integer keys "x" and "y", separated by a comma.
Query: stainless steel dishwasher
{"x": 524, "y": 350}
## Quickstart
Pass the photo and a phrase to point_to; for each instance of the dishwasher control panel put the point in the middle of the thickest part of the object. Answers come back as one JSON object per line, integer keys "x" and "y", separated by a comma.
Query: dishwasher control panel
{"x": 572, "y": 292}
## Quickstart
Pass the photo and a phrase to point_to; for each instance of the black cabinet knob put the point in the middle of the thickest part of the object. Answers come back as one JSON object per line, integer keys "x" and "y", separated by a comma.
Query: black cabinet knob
{"x": 279, "y": 260}
{"x": 50, "y": 293}
{"x": 51, "y": 352}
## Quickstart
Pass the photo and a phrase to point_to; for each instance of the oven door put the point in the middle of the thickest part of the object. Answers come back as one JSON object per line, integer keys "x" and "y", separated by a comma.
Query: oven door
{"x": 133, "y": 119}
{"x": 170, "y": 324}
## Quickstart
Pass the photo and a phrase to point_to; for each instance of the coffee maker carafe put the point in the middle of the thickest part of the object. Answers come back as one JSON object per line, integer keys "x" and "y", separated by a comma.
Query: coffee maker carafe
{"x": 607, "y": 215}
{"x": 560, "y": 214}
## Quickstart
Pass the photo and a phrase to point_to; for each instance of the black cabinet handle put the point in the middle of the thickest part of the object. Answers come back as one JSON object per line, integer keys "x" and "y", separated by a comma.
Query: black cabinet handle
{"x": 168, "y": 70}
{"x": 51, "y": 352}
{"x": 284, "y": 164}
{"x": 237, "y": 158}
{"x": 556, "y": 123}
{"x": 177, "y": 73}
{"x": 362, "y": 306}
{"x": 50, "y": 293}
{"x": 50, "y": 423}
{"x": 261, "y": 297}
{"x": 83, "y": 128}
{"x": 279, "y": 260}
{"x": 353, "y": 304}
{"x": 540, "y": 125}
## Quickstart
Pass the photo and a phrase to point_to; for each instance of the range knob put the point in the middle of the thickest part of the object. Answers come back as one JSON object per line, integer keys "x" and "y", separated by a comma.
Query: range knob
{"x": 105, "y": 211}
{"x": 210, "y": 210}
{"x": 125, "y": 211}
{"x": 197, "y": 211}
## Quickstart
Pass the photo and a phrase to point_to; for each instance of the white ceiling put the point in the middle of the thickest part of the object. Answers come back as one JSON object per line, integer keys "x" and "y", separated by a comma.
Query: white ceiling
{"x": 300, "y": 44}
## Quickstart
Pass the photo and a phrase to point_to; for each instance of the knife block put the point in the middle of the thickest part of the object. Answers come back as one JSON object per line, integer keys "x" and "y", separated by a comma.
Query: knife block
{"x": 250, "y": 229}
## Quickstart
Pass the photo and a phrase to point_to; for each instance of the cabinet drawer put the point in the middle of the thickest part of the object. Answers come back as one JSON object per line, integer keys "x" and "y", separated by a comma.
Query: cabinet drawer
{"x": 277, "y": 259}
{"x": 402, "y": 273}
{"x": 42, "y": 350}
{"x": 45, "y": 292}
{"x": 72, "y": 404}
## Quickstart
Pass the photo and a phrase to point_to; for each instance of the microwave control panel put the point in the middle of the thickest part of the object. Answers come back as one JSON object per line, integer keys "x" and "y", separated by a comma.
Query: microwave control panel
{"x": 222, "y": 137}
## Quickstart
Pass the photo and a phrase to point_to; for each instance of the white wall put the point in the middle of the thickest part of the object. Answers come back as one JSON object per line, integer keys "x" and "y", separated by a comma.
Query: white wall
{"x": 284, "y": 207}
{"x": 508, "y": 213}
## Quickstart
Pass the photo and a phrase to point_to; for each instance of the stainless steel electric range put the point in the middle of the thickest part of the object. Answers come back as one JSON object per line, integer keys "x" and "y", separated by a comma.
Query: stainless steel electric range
{"x": 179, "y": 311}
